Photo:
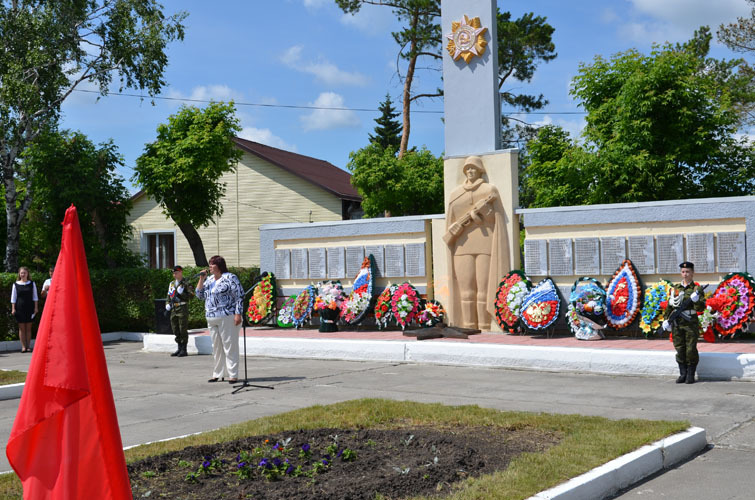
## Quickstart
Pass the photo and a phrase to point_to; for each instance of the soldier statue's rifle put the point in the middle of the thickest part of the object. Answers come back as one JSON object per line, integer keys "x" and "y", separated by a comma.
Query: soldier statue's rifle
{"x": 483, "y": 207}
{"x": 683, "y": 308}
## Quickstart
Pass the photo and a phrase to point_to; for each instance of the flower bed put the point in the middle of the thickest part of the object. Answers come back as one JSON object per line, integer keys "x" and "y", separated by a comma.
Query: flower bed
{"x": 262, "y": 301}
{"x": 508, "y": 300}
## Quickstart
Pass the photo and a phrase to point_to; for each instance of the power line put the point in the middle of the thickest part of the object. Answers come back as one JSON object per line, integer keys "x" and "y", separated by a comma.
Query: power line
{"x": 293, "y": 106}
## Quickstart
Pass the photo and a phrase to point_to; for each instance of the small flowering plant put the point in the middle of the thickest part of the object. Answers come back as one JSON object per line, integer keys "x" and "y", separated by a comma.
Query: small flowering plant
{"x": 656, "y": 301}
{"x": 508, "y": 300}
{"x": 405, "y": 304}
{"x": 383, "y": 310}
{"x": 431, "y": 313}
{"x": 303, "y": 305}
{"x": 329, "y": 296}
{"x": 286, "y": 313}
{"x": 262, "y": 300}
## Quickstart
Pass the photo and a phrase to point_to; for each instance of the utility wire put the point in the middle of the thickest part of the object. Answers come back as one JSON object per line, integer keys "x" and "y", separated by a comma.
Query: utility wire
{"x": 292, "y": 106}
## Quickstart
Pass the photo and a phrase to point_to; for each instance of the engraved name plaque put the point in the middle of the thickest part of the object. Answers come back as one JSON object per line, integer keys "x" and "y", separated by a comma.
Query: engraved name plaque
{"x": 317, "y": 263}
{"x": 586, "y": 256}
{"x": 700, "y": 252}
{"x": 535, "y": 257}
{"x": 282, "y": 263}
{"x": 415, "y": 259}
{"x": 560, "y": 257}
{"x": 336, "y": 263}
{"x": 731, "y": 252}
{"x": 642, "y": 253}
{"x": 354, "y": 258}
{"x": 613, "y": 251}
{"x": 299, "y": 263}
{"x": 378, "y": 254}
{"x": 670, "y": 252}
{"x": 394, "y": 261}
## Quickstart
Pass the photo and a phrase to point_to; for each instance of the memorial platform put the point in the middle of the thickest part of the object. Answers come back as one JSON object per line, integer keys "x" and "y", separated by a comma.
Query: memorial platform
{"x": 731, "y": 360}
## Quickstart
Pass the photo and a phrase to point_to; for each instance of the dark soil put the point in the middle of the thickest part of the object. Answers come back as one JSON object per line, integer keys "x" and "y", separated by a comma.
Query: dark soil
{"x": 393, "y": 463}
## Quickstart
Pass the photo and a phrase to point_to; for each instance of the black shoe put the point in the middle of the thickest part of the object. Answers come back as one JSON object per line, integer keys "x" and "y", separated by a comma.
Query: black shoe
{"x": 182, "y": 351}
{"x": 682, "y": 373}
{"x": 691, "y": 373}
{"x": 177, "y": 352}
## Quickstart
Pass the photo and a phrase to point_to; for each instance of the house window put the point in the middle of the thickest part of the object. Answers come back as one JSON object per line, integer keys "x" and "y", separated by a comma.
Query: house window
{"x": 161, "y": 250}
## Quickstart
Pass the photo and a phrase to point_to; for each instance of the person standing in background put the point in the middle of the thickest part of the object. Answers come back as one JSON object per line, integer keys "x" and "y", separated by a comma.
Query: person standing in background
{"x": 47, "y": 284}
{"x": 689, "y": 298}
{"x": 24, "y": 306}
{"x": 223, "y": 296}
{"x": 178, "y": 306}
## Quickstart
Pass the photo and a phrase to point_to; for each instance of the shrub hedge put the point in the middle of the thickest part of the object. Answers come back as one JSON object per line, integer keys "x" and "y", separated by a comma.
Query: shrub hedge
{"x": 124, "y": 298}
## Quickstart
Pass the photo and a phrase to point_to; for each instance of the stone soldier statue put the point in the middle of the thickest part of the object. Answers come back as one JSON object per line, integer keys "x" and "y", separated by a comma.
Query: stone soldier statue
{"x": 478, "y": 248}
{"x": 178, "y": 305}
{"x": 685, "y": 301}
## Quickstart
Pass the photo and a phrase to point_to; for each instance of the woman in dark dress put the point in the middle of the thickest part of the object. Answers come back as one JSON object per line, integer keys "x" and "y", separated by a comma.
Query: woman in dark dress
{"x": 24, "y": 304}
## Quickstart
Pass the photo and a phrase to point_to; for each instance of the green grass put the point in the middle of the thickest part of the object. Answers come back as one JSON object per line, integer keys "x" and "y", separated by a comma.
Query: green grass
{"x": 586, "y": 442}
{"x": 12, "y": 377}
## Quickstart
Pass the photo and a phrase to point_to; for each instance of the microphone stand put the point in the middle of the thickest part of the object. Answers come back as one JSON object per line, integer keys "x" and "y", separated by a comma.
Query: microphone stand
{"x": 244, "y": 322}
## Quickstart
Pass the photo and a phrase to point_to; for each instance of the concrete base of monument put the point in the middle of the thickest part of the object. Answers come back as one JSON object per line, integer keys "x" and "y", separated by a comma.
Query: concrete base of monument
{"x": 486, "y": 350}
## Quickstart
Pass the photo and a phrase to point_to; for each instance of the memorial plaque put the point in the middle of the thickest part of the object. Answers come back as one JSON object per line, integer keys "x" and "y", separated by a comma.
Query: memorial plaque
{"x": 377, "y": 252}
{"x": 642, "y": 254}
{"x": 394, "y": 261}
{"x": 700, "y": 252}
{"x": 354, "y": 258}
{"x": 586, "y": 256}
{"x": 731, "y": 252}
{"x": 336, "y": 263}
{"x": 613, "y": 251}
{"x": 535, "y": 257}
{"x": 283, "y": 263}
{"x": 299, "y": 263}
{"x": 560, "y": 257}
{"x": 415, "y": 259}
{"x": 317, "y": 263}
{"x": 670, "y": 252}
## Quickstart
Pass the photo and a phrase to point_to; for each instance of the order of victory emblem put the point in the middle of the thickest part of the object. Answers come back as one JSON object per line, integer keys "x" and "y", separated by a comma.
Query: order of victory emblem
{"x": 466, "y": 39}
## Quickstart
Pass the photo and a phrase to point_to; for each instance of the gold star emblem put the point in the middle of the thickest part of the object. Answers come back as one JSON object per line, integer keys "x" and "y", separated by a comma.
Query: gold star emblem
{"x": 466, "y": 39}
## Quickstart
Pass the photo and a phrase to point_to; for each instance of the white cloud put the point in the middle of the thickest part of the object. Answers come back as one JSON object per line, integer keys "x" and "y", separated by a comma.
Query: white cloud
{"x": 208, "y": 93}
{"x": 676, "y": 20}
{"x": 326, "y": 119}
{"x": 371, "y": 19}
{"x": 314, "y": 4}
{"x": 322, "y": 69}
{"x": 265, "y": 136}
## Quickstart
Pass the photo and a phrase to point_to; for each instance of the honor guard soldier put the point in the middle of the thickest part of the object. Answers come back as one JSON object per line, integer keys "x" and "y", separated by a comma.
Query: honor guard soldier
{"x": 685, "y": 301}
{"x": 178, "y": 305}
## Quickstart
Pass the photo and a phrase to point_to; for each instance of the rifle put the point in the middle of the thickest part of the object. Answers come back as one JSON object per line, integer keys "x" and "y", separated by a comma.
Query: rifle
{"x": 683, "y": 307}
{"x": 455, "y": 229}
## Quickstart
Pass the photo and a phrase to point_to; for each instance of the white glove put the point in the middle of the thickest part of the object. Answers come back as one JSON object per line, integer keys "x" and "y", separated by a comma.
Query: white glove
{"x": 666, "y": 325}
{"x": 180, "y": 289}
{"x": 167, "y": 306}
{"x": 695, "y": 296}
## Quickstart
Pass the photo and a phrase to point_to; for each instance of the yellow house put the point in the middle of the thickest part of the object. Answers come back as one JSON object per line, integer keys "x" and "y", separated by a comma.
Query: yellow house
{"x": 269, "y": 186}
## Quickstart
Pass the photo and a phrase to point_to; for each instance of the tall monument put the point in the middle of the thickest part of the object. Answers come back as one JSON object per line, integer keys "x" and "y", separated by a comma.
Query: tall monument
{"x": 481, "y": 180}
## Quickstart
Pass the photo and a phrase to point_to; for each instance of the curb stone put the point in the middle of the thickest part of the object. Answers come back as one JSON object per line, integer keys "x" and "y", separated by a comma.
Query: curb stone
{"x": 620, "y": 473}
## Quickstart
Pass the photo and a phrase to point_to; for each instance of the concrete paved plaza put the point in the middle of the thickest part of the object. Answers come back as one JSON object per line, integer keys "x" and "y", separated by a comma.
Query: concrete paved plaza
{"x": 159, "y": 397}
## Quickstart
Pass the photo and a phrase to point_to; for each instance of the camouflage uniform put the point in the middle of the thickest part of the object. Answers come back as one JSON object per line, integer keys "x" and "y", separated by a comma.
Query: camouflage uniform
{"x": 179, "y": 313}
{"x": 687, "y": 327}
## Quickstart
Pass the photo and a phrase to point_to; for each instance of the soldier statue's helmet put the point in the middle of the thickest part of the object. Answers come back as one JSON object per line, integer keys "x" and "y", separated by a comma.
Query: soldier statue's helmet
{"x": 474, "y": 161}
{"x": 687, "y": 265}
{"x": 177, "y": 268}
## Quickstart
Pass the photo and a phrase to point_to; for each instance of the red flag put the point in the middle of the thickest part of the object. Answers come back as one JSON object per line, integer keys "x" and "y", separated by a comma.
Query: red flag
{"x": 65, "y": 442}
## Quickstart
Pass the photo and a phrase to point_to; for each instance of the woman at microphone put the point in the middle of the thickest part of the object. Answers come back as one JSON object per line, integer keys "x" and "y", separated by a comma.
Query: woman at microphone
{"x": 223, "y": 296}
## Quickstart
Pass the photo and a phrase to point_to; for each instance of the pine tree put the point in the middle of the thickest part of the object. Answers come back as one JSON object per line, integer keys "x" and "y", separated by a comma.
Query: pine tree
{"x": 388, "y": 129}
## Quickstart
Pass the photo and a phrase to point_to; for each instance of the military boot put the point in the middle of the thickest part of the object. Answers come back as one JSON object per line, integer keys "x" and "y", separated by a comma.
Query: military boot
{"x": 177, "y": 351}
{"x": 182, "y": 351}
{"x": 682, "y": 373}
{"x": 691, "y": 373}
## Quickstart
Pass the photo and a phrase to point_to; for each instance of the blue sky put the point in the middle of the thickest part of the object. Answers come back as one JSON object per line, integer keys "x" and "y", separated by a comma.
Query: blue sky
{"x": 283, "y": 53}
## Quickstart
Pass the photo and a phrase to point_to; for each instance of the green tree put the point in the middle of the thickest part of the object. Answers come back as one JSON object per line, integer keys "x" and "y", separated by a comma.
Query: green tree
{"x": 740, "y": 37}
{"x": 49, "y": 48}
{"x": 522, "y": 45}
{"x": 388, "y": 129}
{"x": 70, "y": 169}
{"x": 659, "y": 127}
{"x": 182, "y": 169}
{"x": 411, "y": 185}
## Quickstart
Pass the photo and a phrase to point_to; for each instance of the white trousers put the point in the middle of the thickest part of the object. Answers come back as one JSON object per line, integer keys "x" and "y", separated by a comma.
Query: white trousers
{"x": 225, "y": 346}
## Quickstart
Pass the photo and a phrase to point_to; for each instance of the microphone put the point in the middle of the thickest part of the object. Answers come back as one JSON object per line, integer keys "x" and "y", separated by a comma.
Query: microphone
{"x": 200, "y": 273}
